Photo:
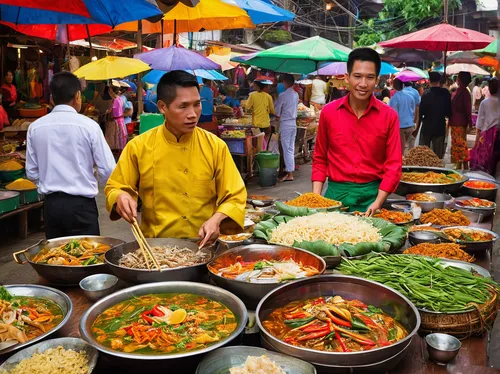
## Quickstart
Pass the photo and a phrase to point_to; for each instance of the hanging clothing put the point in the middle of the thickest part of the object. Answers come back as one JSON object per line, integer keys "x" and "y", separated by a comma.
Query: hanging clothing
{"x": 181, "y": 183}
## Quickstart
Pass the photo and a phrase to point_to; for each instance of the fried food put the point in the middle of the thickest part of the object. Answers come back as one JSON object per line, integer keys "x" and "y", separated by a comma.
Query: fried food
{"x": 445, "y": 217}
{"x": 313, "y": 200}
{"x": 479, "y": 185}
{"x": 475, "y": 203}
{"x": 469, "y": 235}
{"x": 424, "y": 197}
{"x": 394, "y": 216}
{"x": 422, "y": 156}
{"x": 431, "y": 177}
{"x": 443, "y": 250}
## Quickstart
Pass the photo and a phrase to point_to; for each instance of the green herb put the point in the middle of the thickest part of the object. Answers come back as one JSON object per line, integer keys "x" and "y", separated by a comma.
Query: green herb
{"x": 174, "y": 307}
{"x": 182, "y": 343}
{"x": 4, "y": 294}
{"x": 392, "y": 333}
{"x": 128, "y": 338}
{"x": 294, "y": 323}
{"x": 358, "y": 324}
{"x": 15, "y": 305}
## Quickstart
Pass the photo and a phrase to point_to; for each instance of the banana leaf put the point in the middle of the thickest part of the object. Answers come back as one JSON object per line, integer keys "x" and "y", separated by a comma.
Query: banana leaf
{"x": 296, "y": 211}
{"x": 359, "y": 249}
{"x": 319, "y": 247}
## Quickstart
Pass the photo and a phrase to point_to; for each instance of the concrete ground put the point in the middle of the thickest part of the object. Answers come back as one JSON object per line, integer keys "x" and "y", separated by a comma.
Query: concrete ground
{"x": 14, "y": 273}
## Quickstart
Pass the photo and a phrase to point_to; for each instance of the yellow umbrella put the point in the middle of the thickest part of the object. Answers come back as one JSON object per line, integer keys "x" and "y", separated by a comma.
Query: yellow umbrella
{"x": 224, "y": 60}
{"x": 111, "y": 67}
{"x": 207, "y": 15}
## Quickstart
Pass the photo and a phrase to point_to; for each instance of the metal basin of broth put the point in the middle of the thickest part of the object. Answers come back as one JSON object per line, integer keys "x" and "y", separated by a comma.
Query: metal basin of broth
{"x": 252, "y": 293}
{"x": 371, "y": 293}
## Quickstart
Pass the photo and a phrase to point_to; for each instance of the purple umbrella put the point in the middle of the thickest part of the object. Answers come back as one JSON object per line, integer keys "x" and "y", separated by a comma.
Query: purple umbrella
{"x": 176, "y": 58}
{"x": 408, "y": 76}
{"x": 335, "y": 68}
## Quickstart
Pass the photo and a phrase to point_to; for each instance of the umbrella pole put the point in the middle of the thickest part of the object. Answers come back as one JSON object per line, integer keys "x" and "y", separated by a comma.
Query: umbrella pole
{"x": 162, "y": 33}
{"x": 175, "y": 32}
{"x": 140, "y": 104}
{"x": 69, "y": 53}
{"x": 90, "y": 41}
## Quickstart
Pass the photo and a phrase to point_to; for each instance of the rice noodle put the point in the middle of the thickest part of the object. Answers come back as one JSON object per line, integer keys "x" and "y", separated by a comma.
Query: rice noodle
{"x": 168, "y": 257}
{"x": 334, "y": 228}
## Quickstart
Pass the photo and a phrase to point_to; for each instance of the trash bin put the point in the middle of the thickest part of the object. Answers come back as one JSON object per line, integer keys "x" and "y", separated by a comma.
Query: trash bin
{"x": 269, "y": 163}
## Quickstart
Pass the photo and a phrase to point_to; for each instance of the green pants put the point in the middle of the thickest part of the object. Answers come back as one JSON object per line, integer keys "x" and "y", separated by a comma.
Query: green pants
{"x": 356, "y": 196}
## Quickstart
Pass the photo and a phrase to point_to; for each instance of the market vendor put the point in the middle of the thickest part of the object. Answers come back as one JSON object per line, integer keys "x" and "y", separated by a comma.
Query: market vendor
{"x": 261, "y": 104}
{"x": 185, "y": 176}
{"x": 358, "y": 146}
{"x": 9, "y": 95}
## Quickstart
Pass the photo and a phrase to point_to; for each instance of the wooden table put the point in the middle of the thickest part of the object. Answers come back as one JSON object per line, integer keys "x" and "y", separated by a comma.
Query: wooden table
{"x": 22, "y": 214}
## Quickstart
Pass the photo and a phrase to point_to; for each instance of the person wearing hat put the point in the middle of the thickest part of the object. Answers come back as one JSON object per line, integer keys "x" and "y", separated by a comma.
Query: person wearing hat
{"x": 435, "y": 107}
{"x": 261, "y": 104}
{"x": 185, "y": 176}
{"x": 358, "y": 146}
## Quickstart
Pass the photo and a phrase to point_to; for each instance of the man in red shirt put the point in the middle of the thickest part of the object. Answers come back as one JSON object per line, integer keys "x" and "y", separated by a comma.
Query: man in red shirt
{"x": 358, "y": 146}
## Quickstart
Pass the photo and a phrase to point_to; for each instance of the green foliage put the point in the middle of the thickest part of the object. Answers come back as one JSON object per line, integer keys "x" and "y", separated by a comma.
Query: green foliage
{"x": 399, "y": 17}
{"x": 276, "y": 36}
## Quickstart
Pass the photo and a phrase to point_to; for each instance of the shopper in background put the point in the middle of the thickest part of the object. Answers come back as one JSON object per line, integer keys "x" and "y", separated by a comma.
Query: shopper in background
{"x": 207, "y": 102}
{"x": 116, "y": 131}
{"x": 318, "y": 92}
{"x": 435, "y": 107}
{"x": 477, "y": 94}
{"x": 286, "y": 110}
{"x": 487, "y": 124}
{"x": 261, "y": 104}
{"x": 9, "y": 95}
{"x": 62, "y": 149}
{"x": 404, "y": 104}
{"x": 461, "y": 118}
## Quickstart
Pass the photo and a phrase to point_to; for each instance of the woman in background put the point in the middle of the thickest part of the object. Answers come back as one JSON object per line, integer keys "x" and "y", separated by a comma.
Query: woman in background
{"x": 460, "y": 120}
{"x": 9, "y": 95}
{"x": 116, "y": 131}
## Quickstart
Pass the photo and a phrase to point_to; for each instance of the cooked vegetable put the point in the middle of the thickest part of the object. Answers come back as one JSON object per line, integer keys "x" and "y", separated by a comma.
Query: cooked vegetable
{"x": 333, "y": 324}
{"x": 480, "y": 185}
{"x": 422, "y": 156}
{"x": 427, "y": 282}
{"x": 445, "y": 217}
{"x": 443, "y": 250}
{"x": 424, "y": 197}
{"x": 168, "y": 257}
{"x": 255, "y": 365}
{"x": 468, "y": 235}
{"x": 235, "y": 238}
{"x": 164, "y": 323}
{"x": 475, "y": 203}
{"x": 313, "y": 200}
{"x": 431, "y": 177}
{"x": 394, "y": 216}
{"x": 73, "y": 253}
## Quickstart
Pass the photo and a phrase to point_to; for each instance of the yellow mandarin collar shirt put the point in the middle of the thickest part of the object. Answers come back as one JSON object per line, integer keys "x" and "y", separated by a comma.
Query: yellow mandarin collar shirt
{"x": 262, "y": 105}
{"x": 181, "y": 183}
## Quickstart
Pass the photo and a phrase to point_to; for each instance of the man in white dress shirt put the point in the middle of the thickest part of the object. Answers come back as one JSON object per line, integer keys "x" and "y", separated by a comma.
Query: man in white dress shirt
{"x": 62, "y": 149}
{"x": 286, "y": 110}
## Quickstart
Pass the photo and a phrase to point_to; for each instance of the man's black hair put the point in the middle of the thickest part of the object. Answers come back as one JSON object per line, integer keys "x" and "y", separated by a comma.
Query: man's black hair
{"x": 260, "y": 85}
{"x": 364, "y": 54}
{"x": 63, "y": 87}
{"x": 386, "y": 93}
{"x": 397, "y": 84}
{"x": 167, "y": 87}
{"x": 288, "y": 78}
{"x": 408, "y": 84}
{"x": 434, "y": 77}
{"x": 493, "y": 85}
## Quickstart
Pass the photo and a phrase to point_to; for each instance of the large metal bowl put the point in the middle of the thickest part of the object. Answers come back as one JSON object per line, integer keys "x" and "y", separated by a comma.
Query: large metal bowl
{"x": 475, "y": 246}
{"x": 412, "y": 187}
{"x": 215, "y": 293}
{"x": 223, "y": 359}
{"x": 481, "y": 193}
{"x": 62, "y": 275}
{"x": 252, "y": 293}
{"x": 427, "y": 206}
{"x": 195, "y": 273}
{"x": 75, "y": 344}
{"x": 484, "y": 211}
{"x": 348, "y": 287}
{"x": 32, "y": 290}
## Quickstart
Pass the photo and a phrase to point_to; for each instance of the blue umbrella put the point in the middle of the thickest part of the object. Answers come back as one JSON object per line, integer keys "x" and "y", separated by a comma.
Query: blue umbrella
{"x": 28, "y": 12}
{"x": 154, "y": 76}
{"x": 263, "y": 12}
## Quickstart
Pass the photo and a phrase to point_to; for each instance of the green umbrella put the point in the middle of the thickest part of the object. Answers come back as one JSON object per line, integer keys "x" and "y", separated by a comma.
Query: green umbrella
{"x": 302, "y": 57}
{"x": 418, "y": 71}
{"x": 490, "y": 50}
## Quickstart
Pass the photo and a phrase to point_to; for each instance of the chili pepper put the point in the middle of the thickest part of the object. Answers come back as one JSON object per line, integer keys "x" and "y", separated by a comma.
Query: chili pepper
{"x": 314, "y": 335}
{"x": 358, "y": 304}
{"x": 157, "y": 312}
{"x": 359, "y": 338}
{"x": 358, "y": 324}
{"x": 294, "y": 323}
{"x": 289, "y": 340}
{"x": 341, "y": 342}
{"x": 318, "y": 301}
{"x": 336, "y": 320}
{"x": 314, "y": 327}
{"x": 295, "y": 315}
{"x": 145, "y": 315}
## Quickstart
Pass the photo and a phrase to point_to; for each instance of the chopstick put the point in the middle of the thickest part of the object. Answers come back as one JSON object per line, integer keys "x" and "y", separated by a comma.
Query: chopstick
{"x": 144, "y": 246}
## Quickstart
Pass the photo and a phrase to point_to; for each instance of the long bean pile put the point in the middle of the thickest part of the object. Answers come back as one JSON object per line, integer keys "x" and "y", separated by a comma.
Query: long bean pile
{"x": 425, "y": 281}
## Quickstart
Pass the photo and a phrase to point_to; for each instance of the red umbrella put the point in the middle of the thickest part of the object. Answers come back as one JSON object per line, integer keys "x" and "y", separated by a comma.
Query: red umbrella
{"x": 442, "y": 37}
{"x": 55, "y": 32}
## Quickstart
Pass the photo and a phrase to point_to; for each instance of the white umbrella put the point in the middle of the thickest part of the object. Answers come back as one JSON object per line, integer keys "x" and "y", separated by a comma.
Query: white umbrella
{"x": 471, "y": 68}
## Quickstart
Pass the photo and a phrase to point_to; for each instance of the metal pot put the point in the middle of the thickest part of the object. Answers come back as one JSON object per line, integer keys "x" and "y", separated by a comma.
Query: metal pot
{"x": 348, "y": 287}
{"x": 252, "y": 293}
{"x": 215, "y": 293}
{"x": 481, "y": 193}
{"x": 486, "y": 212}
{"x": 412, "y": 187}
{"x": 427, "y": 206}
{"x": 32, "y": 290}
{"x": 62, "y": 275}
{"x": 195, "y": 273}
{"x": 475, "y": 246}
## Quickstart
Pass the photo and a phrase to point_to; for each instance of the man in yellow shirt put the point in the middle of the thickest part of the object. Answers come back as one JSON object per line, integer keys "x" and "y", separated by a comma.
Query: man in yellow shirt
{"x": 261, "y": 104}
{"x": 185, "y": 176}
